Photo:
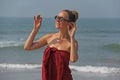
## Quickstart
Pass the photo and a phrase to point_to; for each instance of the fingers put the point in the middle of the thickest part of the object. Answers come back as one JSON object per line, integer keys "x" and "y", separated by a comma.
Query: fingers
{"x": 34, "y": 18}
{"x": 37, "y": 21}
{"x": 38, "y": 17}
{"x": 72, "y": 25}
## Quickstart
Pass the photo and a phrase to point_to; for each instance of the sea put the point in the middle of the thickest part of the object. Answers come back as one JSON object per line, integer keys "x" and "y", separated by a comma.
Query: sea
{"x": 99, "y": 49}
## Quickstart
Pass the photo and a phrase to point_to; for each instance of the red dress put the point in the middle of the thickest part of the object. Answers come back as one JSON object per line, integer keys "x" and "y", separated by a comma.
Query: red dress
{"x": 55, "y": 64}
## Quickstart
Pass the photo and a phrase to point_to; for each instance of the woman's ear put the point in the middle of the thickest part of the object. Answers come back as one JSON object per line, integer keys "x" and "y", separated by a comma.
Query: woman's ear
{"x": 68, "y": 26}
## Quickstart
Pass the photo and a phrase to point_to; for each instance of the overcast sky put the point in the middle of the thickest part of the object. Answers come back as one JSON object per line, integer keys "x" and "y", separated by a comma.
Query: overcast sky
{"x": 49, "y": 8}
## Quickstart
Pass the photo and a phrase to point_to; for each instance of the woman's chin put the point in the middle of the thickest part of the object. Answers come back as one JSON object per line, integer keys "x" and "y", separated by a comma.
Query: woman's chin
{"x": 57, "y": 27}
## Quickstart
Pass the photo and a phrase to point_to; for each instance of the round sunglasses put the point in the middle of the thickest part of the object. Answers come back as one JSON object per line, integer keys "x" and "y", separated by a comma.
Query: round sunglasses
{"x": 60, "y": 19}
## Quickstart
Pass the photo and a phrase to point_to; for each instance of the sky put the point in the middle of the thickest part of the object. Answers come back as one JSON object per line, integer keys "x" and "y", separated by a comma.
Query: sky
{"x": 49, "y": 8}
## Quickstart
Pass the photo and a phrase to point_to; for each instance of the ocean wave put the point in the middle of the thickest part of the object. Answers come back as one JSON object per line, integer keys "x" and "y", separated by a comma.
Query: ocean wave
{"x": 5, "y": 44}
{"x": 19, "y": 66}
{"x": 89, "y": 68}
{"x": 99, "y": 31}
{"x": 113, "y": 47}
{"x": 96, "y": 69}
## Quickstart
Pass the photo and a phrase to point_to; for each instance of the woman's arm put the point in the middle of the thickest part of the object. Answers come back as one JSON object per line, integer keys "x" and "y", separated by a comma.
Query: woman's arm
{"x": 30, "y": 44}
{"x": 74, "y": 50}
{"x": 74, "y": 44}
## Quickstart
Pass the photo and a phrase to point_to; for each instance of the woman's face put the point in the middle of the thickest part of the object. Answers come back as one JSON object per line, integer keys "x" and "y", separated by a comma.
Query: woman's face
{"x": 61, "y": 20}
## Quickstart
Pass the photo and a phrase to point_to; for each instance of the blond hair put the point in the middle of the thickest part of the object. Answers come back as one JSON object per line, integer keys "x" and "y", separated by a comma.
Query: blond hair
{"x": 73, "y": 15}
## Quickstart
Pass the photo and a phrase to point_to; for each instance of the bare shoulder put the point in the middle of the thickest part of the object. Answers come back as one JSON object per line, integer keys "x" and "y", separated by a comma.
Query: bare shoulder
{"x": 76, "y": 42}
{"x": 45, "y": 37}
{"x": 49, "y": 35}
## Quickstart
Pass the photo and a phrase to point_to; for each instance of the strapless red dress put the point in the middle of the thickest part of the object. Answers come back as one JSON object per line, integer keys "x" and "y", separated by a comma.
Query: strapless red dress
{"x": 55, "y": 64}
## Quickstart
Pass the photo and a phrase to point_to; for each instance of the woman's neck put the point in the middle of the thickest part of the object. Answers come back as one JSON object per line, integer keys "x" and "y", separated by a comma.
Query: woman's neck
{"x": 63, "y": 34}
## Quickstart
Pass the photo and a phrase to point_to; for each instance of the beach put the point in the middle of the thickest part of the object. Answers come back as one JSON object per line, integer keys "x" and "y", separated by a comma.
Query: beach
{"x": 35, "y": 74}
{"x": 99, "y": 49}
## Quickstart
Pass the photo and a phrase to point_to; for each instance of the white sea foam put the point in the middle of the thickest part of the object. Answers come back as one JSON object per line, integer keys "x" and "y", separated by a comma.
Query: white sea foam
{"x": 19, "y": 66}
{"x": 4, "y": 44}
{"x": 93, "y": 69}
{"x": 96, "y": 69}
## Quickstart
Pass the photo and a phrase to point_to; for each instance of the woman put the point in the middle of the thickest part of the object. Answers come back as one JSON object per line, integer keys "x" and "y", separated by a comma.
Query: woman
{"x": 61, "y": 46}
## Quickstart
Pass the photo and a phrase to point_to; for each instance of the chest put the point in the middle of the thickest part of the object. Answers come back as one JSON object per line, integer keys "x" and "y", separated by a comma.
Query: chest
{"x": 60, "y": 44}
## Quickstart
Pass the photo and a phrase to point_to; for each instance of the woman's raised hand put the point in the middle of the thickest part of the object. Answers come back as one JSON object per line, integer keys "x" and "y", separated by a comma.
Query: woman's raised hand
{"x": 37, "y": 22}
{"x": 72, "y": 29}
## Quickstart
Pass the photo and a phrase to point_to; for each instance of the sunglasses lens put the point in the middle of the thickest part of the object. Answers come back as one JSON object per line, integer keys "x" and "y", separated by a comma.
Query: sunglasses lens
{"x": 60, "y": 18}
{"x": 56, "y": 18}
